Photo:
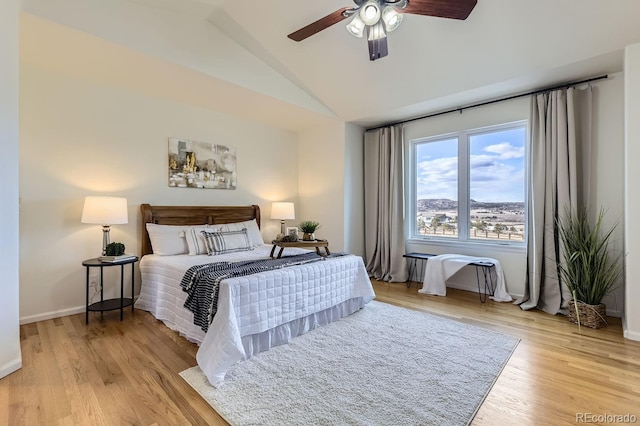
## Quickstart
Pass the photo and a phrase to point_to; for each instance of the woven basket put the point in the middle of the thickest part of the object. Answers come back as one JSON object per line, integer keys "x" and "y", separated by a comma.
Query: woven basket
{"x": 592, "y": 316}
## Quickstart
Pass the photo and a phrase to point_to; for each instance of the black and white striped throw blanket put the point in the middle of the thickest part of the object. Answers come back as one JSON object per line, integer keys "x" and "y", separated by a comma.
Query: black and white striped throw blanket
{"x": 202, "y": 282}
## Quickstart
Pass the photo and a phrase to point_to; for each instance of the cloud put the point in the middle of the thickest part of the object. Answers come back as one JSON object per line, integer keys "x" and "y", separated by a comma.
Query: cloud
{"x": 482, "y": 161}
{"x": 505, "y": 150}
{"x": 438, "y": 178}
{"x": 495, "y": 180}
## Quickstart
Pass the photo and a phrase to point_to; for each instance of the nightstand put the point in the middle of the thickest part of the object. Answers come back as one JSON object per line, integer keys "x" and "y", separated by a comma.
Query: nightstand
{"x": 109, "y": 304}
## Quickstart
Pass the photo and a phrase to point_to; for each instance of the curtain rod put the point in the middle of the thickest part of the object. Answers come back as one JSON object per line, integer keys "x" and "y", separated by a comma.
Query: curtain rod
{"x": 508, "y": 98}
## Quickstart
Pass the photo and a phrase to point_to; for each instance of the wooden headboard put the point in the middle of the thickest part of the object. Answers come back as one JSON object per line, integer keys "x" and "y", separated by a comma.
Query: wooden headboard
{"x": 193, "y": 215}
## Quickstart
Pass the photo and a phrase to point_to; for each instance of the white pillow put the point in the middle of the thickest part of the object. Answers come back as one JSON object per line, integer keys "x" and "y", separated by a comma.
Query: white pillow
{"x": 219, "y": 242}
{"x": 196, "y": 242}
{"x": 168, "y": 240}
{"x": 255, "y": 237}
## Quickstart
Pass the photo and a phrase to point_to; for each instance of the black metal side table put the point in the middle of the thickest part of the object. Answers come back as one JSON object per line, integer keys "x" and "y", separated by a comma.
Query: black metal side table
{"x": 109, "y": 304}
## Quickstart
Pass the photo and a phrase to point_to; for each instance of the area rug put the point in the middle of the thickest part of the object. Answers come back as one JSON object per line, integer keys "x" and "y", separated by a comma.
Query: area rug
{"x": 383, "y": 365}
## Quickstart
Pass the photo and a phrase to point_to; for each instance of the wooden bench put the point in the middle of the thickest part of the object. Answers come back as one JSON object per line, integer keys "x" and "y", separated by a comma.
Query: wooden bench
{"x": 483, "y": 272}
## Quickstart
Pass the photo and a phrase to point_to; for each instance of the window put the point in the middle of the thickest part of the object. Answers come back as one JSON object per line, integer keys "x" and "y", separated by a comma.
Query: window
{"x": 470, "y": 186}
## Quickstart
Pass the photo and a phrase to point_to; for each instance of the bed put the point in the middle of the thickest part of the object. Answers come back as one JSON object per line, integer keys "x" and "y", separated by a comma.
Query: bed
{"x": 255, "y": 312}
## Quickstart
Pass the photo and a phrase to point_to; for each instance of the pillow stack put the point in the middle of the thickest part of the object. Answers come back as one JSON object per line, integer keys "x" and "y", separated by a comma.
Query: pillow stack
{"x": 171, "y": 240}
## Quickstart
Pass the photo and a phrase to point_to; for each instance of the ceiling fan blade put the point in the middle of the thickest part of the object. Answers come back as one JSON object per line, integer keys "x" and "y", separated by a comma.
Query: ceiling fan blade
{"x": 454, "y": 9}
{"x": 319, "y": 25}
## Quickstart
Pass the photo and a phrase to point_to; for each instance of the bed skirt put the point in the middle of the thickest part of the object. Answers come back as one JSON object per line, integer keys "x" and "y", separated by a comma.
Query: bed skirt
{"x": 282, "y": 334}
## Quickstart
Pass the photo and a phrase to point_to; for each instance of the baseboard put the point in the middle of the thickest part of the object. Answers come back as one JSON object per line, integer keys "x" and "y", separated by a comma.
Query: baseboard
{"x": 54, "y": 314}
{"x": 57, "y": 314}
{"x": 10, "y": 367}
{"x": 614, "y": 313}
{"x": 631, "y": 335}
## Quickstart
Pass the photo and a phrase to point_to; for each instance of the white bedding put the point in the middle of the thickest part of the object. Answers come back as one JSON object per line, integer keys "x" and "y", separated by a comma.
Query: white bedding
{"x": 255, "y": 312}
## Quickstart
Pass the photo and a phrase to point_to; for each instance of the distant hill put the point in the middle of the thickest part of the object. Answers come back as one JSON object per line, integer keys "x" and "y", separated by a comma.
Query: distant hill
{"x": 436, "y": 204}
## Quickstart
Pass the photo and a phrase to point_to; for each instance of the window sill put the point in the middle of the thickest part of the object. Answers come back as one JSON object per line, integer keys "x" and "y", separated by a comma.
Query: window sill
{"x": 471, "y": 245}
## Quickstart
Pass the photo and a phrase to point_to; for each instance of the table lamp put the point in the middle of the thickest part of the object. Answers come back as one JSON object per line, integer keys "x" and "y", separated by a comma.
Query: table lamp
{"x": 282, "y": 211}
{"x": 105, "y": 211}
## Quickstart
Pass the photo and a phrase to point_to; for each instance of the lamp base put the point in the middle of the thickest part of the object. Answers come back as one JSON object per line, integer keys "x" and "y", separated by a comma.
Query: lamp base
{"x": 105, "y": 238}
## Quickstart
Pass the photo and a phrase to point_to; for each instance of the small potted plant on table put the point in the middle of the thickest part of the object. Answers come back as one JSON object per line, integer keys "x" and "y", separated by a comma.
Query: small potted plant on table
{"x": 587, "y": 266}
{"x": 309, "y": 227}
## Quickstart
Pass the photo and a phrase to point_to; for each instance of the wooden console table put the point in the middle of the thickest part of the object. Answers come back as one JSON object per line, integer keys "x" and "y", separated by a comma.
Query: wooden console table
{"x": 301, "y": 243}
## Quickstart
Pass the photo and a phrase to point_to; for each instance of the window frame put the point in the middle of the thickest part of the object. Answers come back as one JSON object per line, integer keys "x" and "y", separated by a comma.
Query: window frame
{"x": 463, "y": 238}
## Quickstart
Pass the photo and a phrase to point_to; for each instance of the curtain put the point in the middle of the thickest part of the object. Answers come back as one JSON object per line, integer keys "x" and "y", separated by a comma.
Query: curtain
{"x": 559, "y": 161}
{"x": 384, "y": 204}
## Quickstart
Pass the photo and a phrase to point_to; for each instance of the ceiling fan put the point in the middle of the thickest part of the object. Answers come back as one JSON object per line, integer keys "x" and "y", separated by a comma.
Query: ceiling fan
{"x": 379, "y": 17}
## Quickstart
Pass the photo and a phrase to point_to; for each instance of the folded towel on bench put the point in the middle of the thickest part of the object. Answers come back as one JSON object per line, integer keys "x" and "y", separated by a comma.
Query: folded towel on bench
{"x": 440, "y": 268}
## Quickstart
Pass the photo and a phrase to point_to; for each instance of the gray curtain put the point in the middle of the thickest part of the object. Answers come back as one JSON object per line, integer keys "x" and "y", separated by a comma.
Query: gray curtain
{"x": 384, "y": 204}
{"x": 559, "y": 174}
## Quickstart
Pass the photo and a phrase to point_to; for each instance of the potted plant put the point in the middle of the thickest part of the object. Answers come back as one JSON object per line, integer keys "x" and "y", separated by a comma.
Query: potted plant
{"x": 115, "y": 249}
{"x": 588, "y": 266}
{"x": 309, "y": 227}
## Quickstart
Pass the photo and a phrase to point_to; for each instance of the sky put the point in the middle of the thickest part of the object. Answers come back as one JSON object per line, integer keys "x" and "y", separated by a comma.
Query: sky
{"x": 496, "y": 167}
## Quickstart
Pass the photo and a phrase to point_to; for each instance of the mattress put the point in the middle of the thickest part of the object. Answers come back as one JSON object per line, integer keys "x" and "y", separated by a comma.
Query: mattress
{"x": 255, "y": 312}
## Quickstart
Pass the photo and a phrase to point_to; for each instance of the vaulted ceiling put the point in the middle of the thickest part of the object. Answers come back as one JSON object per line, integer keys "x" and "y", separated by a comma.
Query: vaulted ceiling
{"x": 504, "y": 47}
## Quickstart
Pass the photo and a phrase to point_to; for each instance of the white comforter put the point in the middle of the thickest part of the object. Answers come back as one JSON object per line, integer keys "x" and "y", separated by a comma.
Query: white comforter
{"x": 255, "y": 311}
{"x": 440, "y": 268}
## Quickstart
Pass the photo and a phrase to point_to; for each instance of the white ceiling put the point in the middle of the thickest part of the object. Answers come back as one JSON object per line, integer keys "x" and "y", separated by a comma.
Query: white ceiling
{"x": 504, "y": 47}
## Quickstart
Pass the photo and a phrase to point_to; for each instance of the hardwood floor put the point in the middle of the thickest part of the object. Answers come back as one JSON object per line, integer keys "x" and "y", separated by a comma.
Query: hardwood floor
{"x": 112, "y": 373}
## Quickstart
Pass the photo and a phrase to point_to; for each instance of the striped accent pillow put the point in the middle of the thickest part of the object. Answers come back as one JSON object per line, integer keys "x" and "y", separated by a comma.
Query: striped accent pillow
{"x": 252, "y": 230}
{"x": 219, "y": 242}
{"x": 196, "y": 241}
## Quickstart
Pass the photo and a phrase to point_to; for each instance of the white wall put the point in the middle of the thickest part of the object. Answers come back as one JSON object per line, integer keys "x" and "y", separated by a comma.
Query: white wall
{"x": 330, "y": 184}
{"x": 607, "y": 169}
{"x": 80, "y": 137}
{"x": 353, "y": 190}
{"x": 606, "y": 176}
{"x": 321, "y": 177}
{"x": 10, "y": 355}
{"x": 632, "y": 195}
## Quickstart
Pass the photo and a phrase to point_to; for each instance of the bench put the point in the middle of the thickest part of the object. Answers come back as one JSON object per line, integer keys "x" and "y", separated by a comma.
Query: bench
{"x": 483, "y": 272}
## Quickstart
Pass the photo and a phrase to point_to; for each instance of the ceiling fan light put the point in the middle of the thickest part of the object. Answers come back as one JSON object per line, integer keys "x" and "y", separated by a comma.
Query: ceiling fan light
{"x": 391, "y": 18}
{"x": 356, "y": 27}
{"x": 370, "y": 13}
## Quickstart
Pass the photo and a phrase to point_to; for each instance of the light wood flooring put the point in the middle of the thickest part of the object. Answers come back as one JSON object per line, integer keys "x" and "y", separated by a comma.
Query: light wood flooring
{"x": 113, "y": 373}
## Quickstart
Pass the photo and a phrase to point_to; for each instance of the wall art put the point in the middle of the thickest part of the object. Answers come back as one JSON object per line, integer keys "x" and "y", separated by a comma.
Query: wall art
{"x": 203, "y": 165}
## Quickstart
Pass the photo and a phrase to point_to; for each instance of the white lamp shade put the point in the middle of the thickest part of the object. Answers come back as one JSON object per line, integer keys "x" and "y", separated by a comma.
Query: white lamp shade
{"x": 282, "y": 211}
{"x": 105, "y": 210}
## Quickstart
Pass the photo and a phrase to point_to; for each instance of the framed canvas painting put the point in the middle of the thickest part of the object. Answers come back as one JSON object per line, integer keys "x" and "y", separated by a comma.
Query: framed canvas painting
{"x": 203, "y": 165}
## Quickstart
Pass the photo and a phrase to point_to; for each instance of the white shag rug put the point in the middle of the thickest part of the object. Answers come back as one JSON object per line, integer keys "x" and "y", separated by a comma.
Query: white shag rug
{"x": 383, "y": 365}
